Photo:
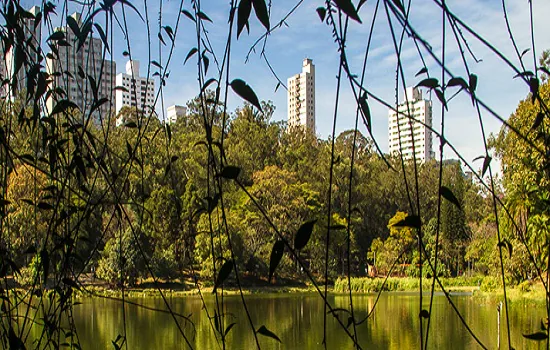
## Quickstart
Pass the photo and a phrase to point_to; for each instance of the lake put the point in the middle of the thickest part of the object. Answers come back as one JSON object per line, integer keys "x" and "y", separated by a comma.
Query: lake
{"x": 298, "y": 320}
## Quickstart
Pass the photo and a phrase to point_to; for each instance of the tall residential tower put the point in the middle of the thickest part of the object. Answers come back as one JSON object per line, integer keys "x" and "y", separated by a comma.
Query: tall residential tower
{"x": 137, "y": 91}
{"x": 399, "y": 130}
{"x": 301, "y": 98}
{"x": 82, "y": 72}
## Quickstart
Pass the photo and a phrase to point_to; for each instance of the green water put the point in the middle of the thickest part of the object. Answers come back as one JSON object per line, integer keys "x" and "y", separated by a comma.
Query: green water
{"x": 298, "y": 320}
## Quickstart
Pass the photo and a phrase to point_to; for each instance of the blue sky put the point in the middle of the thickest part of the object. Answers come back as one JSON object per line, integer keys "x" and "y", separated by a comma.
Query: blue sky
{"x": 306, "y": 36}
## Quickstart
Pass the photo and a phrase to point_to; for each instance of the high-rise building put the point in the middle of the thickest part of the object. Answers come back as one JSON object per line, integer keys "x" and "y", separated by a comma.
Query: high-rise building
{"x": 399, "y": 130}
{"x": 137, "y": 91}
{"x": 81, "y": 72}
{"x": 173, "y": 113}
{"x": 29, "y": 46}
{"x": 301, "y": 98}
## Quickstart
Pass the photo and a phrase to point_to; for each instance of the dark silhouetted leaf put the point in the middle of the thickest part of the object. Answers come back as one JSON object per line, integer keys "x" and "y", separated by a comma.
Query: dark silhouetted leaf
{"x": 304, "y": 234}
{"x": 440, "y": 97}
{"x": 486, "y": 162}
{"x": 189, "y": 15}
{"x": 44, "y": 206}
{"x": 207, "y": 83}
{"x": 424, "y": 314}
{"x": 422, "y": 71}
{"x": 538, "y": 120}
{"x": 131, "y": 125}
{"x": 322, "y": 12}
{"x": 347, "y": 7}
{"x": 243, "y": 14}
{"x": 204, "y": 17}
{"x": 506, "y": 244}
{"x": 350, "y": 321}
{"x": 534, "y": 87}
{"x": 206, "y": 62}
{"x": 276, "y": 256}
{"x": 472, "y": 82}
{"x": 229, "y": 328}
{"x": 365, "y": 110}
{"x": 399, "y": 5}
{"x": 430, "y": 83}
{"x": 538, "y": 336}
{"x": 410, "y": 221}
{"x": 73, "y": 25}
{"x": 230, "y": 172}
{"x": 261, "y": 12}
{"x": 190, "y": 54}
{"x": 102, "y": 36}
{"x": 338, "y": 227}
{"x": 458, "y": 82}
{"x": 63, "y": 106}
{"x": 266, "y": 332}
{"x": 245, "y": 91}
{"x": 525, "y": 74}
{"x": 45, "y": 260}
{"x": 70, "y": 283}
{"x": 277, "y": 86}
{"x": 523, "y": 53}
{"x": 226, "y": 269}
{"x": 446, "y": 193}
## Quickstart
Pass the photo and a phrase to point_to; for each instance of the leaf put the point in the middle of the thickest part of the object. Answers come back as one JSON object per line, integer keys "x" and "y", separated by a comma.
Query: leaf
{"x": 275, "y": 258}
{"x": 538, "y": 120}
{"x": 243, "y": 13}
{"x": 430, "y": 83}
{"x": 350, "y": 321}
{"x": 347, "y": 7}
{"x": 266, "y": 332}
{"x": 261, "y": 12}
{"x": 366, "y": 111}
{"x": 207, "y": 83}
{"x": 277, "y": 86}
{"x": 422, "y": 71}
{"x": 412, "y": 221}
{"x": 303, "y": 234}
{"x": 44, "y": 206}
{"x": 441, "y": 98}
{"x": 45, "y": 260}
{"x": 204, "y": 17}
{"x": 322, "y": 12}
{"x": 458, "y": 81}
{"x": 70, "y": 283}
{"x": 505, "y": 243}
{"x": 190, "y": 54}
{"x": 337, "y": 227}
{"x": 536, "y": 336}
{"x": 189, "y": 15}
{"x": 534, "y": 87}
{"x": 226, "y": 269}
{"x": 205, "y": 61}
{"x": 62, "y": 106}
{"x": 71, "y": 22}
{"x": 230, "y": 172}
{"x": 524, "y": 74}
{"x": 131, "y": 125}
{"x": 472, "y": 83}
{"x": 245, "y": 91}
{"x": 424, "y": 314}
{"x": 399, "y": 5}
{"x": 486, "y": 162}
{"x": 446, "y": 193}
{"x": 229, "y": 328}
{"x": 523, "y": 53}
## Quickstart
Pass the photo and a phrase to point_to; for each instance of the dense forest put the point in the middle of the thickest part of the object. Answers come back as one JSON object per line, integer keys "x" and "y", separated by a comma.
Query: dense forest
{"x": 153, "y": 219}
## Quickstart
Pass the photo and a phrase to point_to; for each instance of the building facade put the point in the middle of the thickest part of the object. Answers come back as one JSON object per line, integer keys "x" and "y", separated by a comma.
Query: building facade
{"x": 399, "y": 128}
{"x": 137, "y": 92}
{"x": 30, "y": 44}
{"x": 173, "y": 113}
{"x": 81, "y": 73}
{"x": 301, "y": 98}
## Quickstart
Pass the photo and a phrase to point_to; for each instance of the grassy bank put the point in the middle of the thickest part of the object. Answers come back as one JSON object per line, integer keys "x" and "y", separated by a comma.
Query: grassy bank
{"x": 405, "y": 284}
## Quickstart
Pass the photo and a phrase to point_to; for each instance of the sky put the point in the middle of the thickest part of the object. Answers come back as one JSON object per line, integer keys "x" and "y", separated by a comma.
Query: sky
{"x": 304, "y": 35}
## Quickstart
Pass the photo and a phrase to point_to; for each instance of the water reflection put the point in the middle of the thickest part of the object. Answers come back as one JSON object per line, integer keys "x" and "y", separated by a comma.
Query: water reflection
{"x": 298, "y": 321}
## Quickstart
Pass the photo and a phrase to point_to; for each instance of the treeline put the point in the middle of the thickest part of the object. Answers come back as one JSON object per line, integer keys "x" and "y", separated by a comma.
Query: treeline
{"x": 135, "y": 200}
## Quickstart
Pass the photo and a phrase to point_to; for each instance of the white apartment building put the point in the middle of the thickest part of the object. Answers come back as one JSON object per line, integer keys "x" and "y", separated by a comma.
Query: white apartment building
{"x": 72, "y": 70}
{"x": 173, "y": 113}
{"x": 30, "y": 44}
{"x": 399, "y": 129}
{"x": 138, "y": 92}
{"x": 301, "y": 98}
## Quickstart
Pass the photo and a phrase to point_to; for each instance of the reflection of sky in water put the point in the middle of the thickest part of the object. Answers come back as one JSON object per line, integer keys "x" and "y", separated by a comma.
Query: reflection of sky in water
{"x": 298, "y": 321}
